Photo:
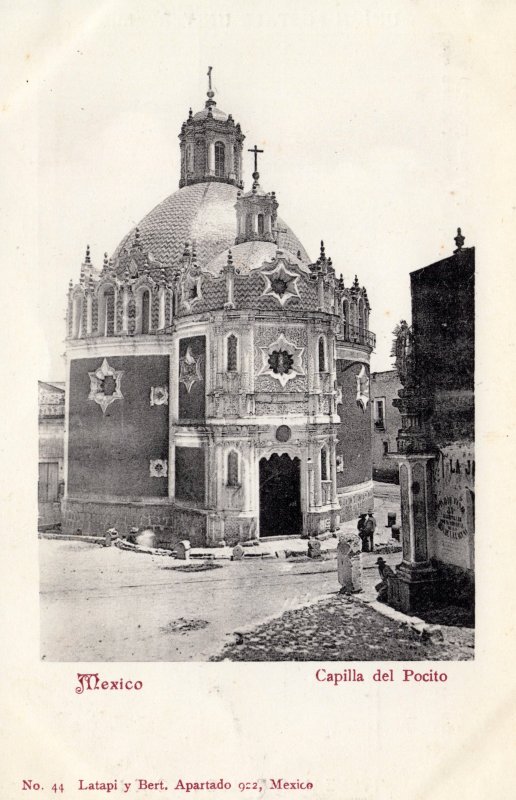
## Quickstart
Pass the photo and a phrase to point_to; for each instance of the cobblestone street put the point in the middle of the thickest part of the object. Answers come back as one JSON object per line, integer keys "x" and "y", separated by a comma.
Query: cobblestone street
{"x": 342, "y": 628}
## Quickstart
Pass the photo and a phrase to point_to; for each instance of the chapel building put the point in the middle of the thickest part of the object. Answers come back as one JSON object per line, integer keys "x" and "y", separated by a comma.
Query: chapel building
{"x": 217, "y": 384}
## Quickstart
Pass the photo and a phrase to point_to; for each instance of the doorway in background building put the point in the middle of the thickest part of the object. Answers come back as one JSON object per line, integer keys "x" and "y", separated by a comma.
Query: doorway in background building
{"x": 280, "y": 496}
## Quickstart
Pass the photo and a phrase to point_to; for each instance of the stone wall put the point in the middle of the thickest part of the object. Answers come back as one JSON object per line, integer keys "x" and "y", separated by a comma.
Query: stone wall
{"x": 110, "y": 452}
{"x": 452, "y": 537}
{"x": 354, "y": 431}
{"x": 169, "y": 523}
{"x": 355, "y": 501}
{"x": 385, "y": 385}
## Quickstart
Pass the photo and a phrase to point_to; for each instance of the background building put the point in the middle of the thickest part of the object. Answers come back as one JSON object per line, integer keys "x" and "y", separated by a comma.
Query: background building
{"x": 386, "y": 422}
{"x": 435, "y": 360}
{"x": 217, "y": 377}
{"x": 51, "y": 405}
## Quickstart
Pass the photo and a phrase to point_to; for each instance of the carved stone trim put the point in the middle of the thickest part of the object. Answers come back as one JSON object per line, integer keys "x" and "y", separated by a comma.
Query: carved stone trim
{"x": 159, "y": 396}
{"x": 280, "y": 284}
{"x": 158, "y": 468}
{"x": 294, "y": 354}
{"x": 98, "y": 385}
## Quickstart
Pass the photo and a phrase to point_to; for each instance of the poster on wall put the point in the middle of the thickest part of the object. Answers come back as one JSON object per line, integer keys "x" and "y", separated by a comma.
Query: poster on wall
{"x": 254, "y": 469}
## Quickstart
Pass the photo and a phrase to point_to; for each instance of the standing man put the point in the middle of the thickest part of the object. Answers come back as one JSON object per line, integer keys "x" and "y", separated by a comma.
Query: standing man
{"x": 361, "y": 532}
{"x": 369, "y": 529}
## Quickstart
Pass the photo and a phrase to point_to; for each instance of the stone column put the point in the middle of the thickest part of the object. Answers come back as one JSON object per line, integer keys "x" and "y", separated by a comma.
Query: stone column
{"x": 115, "y": 311}
{"x": 211, "y": 158}
{"x": 333, "y": 470}
{"x": 320, "y": 293}
{"x": 220, "y": 344}
{"x": 171, "y": 466}
{"x": 250, "y": 356}
{"x": 161, "y": 317}
{"x": 125, "y": 310}
{"x": 311, "y": 492}
{"x": 317, "y": 476}
{"x": 416, "y": 574}
{"x": 89, "y": 313}
{"x": 230, "y": 164}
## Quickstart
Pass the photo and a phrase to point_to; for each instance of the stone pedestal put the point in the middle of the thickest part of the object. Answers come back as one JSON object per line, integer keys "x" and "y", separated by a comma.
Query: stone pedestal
{"x": 183, "y": 550}
{"x": 349, "y": 563}
{"x": 416, "y": 584}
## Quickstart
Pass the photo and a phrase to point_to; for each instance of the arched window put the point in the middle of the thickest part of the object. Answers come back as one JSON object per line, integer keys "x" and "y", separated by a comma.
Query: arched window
{"x": 233, "y": 468}
{"x": 145, "y": 311}
{"x": 324, "y": 464}
{"x": 200, "y": 157}
{"x": 232, "y": 349}
{"x": 249, "y": 224}
{"x": 261, "y": 226}
{"x": 107, "y": 312}
{"x": 220, "y": 159}
{"x": 345, "y": 318}
{"x": 77, "y": 316}
{"x": 322, "y": 355}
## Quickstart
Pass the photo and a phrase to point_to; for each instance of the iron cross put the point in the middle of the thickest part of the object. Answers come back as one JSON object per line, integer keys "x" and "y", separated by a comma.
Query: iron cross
{"x": 255, "y": 151}
{"x": 209, "y": 78}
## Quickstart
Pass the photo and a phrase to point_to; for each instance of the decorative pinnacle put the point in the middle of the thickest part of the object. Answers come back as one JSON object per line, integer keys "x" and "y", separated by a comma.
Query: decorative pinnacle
{"x": 186, "y": 251}
{"x": 230, "y": 258}
{"x": 323, "y": 255}
{"x": 190, "y": 113}
{"x": 356, "y": 285}
{"x": 459, "y": 240}
{"x": 210, "y": 91}
{"x": 137, "y": 242}
{"x": 106, "y": 262}
{"x": 87, "y": 259}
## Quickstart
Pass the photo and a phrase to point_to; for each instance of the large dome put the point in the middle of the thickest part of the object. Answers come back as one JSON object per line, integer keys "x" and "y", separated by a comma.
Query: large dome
{"x": 203, "y": 213}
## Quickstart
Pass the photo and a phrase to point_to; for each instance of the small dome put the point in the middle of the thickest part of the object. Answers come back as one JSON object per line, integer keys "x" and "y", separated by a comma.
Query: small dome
{"x": 216, "y": 113}
{"x": 203, "y": 213}
{"x": 252, "y": 255}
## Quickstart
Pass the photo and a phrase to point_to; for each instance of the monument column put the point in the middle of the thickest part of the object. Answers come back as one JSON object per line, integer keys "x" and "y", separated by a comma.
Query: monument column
{"x": 416, "y": 574}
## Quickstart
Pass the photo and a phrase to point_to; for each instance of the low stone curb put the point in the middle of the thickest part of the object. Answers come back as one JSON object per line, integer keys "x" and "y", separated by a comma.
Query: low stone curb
{"x": 423, "y": 629}
{"x": 135, "y": 548}
{"x": 71, "y": 537}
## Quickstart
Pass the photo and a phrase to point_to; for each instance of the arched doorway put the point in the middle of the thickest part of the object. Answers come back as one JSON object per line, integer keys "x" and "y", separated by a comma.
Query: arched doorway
{"x": 280, "y": 496}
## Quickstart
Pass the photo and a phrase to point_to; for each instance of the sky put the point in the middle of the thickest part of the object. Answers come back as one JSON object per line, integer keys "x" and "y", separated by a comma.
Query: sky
{"x": 368, "y": 113}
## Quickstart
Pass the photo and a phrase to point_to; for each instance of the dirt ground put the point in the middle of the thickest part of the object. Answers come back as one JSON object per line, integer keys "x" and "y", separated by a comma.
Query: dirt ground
{"x": 106, "y": 604}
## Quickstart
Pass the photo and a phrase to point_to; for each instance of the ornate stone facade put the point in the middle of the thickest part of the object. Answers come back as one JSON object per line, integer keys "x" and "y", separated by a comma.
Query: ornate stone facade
{"x": 216, "y": 347}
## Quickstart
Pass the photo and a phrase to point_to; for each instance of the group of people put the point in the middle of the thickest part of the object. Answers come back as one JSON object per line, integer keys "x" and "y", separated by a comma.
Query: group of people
{"x": 366, "y": 527}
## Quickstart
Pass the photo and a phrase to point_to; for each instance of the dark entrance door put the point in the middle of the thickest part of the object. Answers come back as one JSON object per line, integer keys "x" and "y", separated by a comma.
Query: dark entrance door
{"x": 280, "y": 496}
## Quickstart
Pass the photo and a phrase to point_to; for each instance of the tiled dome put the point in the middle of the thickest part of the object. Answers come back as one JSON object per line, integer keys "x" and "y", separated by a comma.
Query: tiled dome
{"x": 203, "y": 213}
{"x": 252, "y": 255}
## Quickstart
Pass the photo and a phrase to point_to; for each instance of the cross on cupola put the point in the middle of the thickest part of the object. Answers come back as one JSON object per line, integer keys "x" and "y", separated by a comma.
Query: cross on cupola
{"x": 255, "y": 150}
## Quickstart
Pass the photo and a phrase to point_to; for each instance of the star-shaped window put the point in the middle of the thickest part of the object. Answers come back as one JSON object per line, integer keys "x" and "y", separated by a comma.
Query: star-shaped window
{"x": 282, "y": 360}
{"x": 280, "y": 283}
{"x": 105, "y": 385}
